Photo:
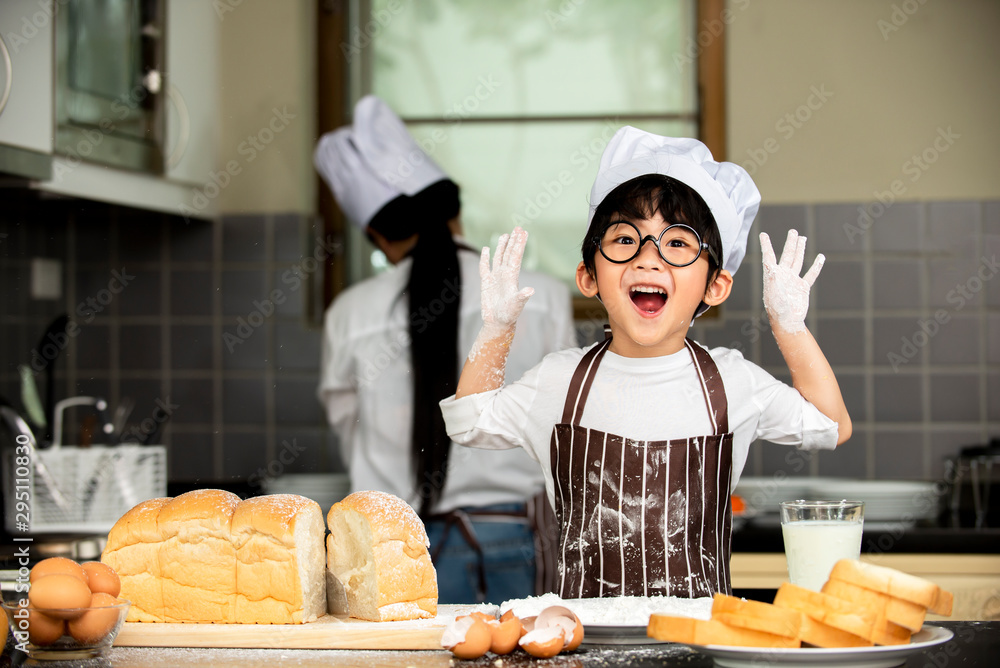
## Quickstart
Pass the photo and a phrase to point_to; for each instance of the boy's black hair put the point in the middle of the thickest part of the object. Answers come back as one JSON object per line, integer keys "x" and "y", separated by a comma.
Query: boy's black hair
{"x": 646, "y": 195}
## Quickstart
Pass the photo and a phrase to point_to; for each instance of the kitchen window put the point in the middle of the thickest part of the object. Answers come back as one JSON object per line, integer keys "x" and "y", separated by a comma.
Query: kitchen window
{"x": 517, "y": 100}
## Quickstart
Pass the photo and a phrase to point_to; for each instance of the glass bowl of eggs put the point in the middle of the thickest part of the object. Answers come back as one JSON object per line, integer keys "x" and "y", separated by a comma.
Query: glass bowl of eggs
{"x": 67, "y": 611}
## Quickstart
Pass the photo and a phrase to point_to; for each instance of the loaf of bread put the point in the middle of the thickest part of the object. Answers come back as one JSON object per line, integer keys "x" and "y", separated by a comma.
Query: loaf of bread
{"x": 377, "y": 559}
{"x": 894, "y": 583}
{"x": 756, "y": 615}
{"x": 206, "y": 556}
{"x": 898, "y": 619}
{"x": 860, "y": 605}
{"x": 828, "y": 621}
{"x": 669, "y": 628}
{"x": 132, "y": 550}
{"x": 197, "y": 557}
{"x": 280, "y": 560}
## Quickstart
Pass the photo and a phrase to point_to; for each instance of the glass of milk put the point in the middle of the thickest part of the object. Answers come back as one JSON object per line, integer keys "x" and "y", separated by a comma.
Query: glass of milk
{"x": 817, "y": 535}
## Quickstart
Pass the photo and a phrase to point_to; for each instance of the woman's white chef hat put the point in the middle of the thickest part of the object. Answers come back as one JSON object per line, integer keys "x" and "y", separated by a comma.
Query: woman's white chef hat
{"x": 372, "y": 162}
{"x": 726, "y": 187}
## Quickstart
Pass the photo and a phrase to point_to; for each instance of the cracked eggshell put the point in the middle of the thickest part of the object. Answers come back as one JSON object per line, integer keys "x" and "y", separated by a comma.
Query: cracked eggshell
{"x": 479, "y": 614}
{"x": 566, "y": 619}
{"x": 527, "y": 624}
{"x": 506, "y": 633}
{"x": 467, "y": 637}
{"x": 544, "y": 642}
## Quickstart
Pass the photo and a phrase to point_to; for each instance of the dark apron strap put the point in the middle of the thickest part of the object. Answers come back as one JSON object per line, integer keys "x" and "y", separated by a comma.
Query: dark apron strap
{"x": 583, "y": 378}
{"x": 460, "y": 519}
{"x": 711, "y": 386}
{"x": 545, "y": 528}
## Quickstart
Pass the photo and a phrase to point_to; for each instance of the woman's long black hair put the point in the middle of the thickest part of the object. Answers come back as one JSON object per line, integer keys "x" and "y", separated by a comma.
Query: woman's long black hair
{"x": 434, "y": 295}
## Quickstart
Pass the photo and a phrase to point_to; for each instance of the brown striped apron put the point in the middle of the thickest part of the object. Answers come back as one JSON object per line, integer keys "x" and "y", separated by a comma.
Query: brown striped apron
{"x": 643, "y": 518}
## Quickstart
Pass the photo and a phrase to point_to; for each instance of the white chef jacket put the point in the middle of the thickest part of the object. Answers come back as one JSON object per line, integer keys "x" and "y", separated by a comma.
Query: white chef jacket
{"x": 653, "y": 398}
{"x": 367, "y": 390}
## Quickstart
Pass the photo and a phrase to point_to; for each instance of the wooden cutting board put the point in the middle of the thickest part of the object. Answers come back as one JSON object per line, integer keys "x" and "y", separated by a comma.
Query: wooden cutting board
{"x": 328, "y": 632}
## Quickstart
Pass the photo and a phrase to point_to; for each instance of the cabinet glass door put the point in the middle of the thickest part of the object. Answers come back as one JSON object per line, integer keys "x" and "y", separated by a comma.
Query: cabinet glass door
{"x": 108, "y": 102}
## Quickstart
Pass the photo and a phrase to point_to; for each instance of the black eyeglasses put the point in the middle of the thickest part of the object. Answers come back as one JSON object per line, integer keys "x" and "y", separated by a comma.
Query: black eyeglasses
{"x": 679, "y": 245}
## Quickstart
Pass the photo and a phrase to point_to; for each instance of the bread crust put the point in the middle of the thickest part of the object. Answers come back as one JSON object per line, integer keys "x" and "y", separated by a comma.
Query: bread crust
{"x": 756, "y": 615}
{"x": 180, "y": 559}
{"x": 272, "y": 567}
{"x": 712, "y": 632}
{"x": 377, "y": 553}
{"x": 894, "y": 583}
{"x": 131, "y": 550}
{"x": 828, "y": 610}
{"x": 197, "y": 558}
{"x": 895, "y": 610}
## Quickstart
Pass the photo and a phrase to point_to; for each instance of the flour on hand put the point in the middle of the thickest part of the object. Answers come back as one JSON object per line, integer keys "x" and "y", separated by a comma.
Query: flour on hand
{"x": 501, "y": 300}
{"x": 786, "y": 295}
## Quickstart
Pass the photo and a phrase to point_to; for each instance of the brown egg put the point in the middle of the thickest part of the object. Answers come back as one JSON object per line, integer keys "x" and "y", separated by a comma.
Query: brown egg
{"x": 467, "y": 637}
{"x": 59, "y": 592}
{"x": 97, "y": 622}
{"x": 102, "y": 578}
{"x": 506, "y": 633}
{"x": 55, "y": 565}
{"x": 44, "y": 630}
{"x": 543, "y": 643}
{"x": 527, "y": 625}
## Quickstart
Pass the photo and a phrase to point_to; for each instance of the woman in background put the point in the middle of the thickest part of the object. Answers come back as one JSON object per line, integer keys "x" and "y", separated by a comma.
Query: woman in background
{"x": 392, "y": 348}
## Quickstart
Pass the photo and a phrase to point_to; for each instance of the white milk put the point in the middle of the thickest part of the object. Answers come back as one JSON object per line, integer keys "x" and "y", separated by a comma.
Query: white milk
{"x": 812, "y": 547}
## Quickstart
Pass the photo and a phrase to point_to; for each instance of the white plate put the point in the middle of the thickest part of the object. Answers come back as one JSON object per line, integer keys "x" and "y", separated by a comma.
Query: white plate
{"x": 599, "y": 634}
{"x": 856, "y": 657}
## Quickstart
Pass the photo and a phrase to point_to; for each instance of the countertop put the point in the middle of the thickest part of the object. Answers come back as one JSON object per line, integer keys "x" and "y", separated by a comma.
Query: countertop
{"x": 974, "y": 644}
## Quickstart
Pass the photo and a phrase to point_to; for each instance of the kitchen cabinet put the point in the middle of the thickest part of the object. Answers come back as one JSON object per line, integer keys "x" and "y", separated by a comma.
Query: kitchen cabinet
{"x": 26, "y": 96}
{"x": 974, "y": 579}
{"x": 184, "y": 183}
{"x": 191, "y": 90}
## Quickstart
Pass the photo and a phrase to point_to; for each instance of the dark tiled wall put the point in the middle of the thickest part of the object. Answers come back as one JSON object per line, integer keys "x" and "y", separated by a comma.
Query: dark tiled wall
{"x": 907, "y": 309}
{"x": 238, "y": 395}
{"x": 164, "y": 335}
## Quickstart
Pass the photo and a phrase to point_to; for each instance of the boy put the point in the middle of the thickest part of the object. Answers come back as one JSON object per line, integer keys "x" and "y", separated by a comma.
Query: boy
{"x": 651, "y": 431}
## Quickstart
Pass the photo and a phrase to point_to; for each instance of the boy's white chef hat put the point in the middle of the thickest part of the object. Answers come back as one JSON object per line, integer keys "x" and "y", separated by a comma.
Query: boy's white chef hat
{"x": 726, "y": 187}
{"x": 373, "y": 161}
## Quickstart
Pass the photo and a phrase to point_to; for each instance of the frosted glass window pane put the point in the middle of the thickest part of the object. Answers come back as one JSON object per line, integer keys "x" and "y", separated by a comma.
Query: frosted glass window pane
{"x": 534, "y": 174}
{"x": 533, "y": 58}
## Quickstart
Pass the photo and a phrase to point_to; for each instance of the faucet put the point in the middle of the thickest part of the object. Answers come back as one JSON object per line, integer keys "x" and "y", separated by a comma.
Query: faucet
{"x": 19, "y": 427}
{"x": 16, "y": 423}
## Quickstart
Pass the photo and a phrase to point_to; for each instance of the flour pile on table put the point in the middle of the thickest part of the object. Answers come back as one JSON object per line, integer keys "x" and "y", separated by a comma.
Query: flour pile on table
{"x": 614, "y": 611}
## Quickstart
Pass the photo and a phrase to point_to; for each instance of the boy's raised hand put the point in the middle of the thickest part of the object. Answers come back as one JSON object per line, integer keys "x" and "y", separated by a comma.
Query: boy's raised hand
{"x": 502, "y": 302}
{"x": 786, "y": 294}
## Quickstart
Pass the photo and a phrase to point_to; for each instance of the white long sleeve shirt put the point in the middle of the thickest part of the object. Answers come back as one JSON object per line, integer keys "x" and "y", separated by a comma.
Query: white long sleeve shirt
{"x": 367, "y": 392}
{"x": 657, "y": 398}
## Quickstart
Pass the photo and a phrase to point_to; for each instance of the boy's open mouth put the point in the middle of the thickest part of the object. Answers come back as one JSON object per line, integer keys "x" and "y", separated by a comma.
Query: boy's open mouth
{"x": 648, "y": 298}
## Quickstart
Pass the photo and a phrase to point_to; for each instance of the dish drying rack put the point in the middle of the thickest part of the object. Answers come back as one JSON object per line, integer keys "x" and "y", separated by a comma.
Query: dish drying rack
{"x": 77, "y": 490}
